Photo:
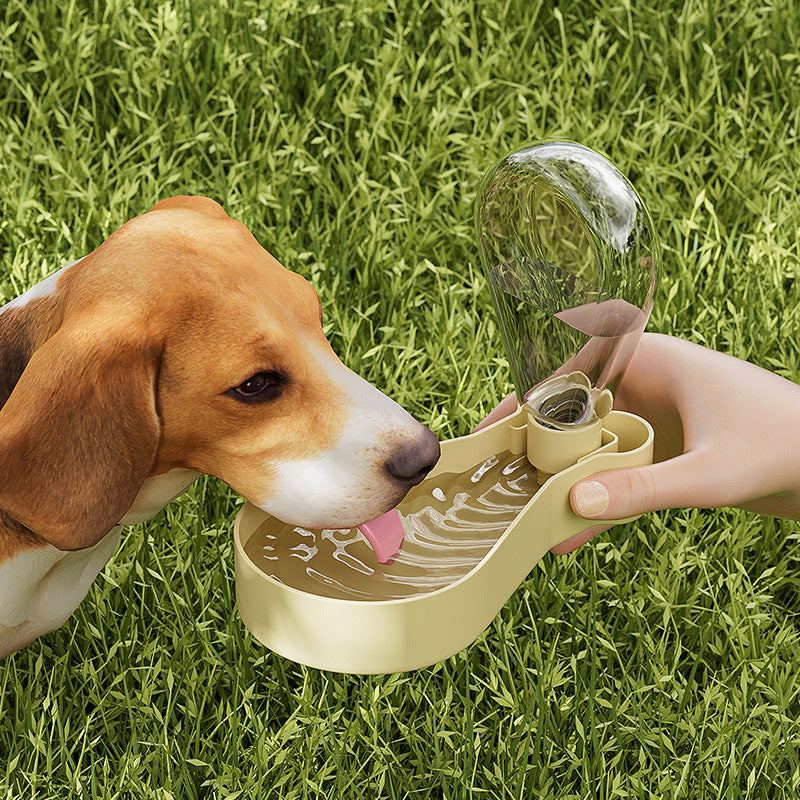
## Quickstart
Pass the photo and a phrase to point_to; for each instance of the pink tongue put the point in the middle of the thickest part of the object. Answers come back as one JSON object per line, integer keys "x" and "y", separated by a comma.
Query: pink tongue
{"x": 384, "y": 534}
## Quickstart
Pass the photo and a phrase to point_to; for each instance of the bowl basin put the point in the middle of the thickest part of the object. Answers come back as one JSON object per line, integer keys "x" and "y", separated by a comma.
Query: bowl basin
{"x": 373, "y": 634}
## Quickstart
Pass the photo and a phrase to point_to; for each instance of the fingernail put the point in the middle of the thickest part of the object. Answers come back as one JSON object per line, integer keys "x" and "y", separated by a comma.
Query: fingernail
{"x": 590, "y": 498}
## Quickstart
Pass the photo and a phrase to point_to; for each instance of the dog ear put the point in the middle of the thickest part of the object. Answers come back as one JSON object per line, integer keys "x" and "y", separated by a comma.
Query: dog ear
{"x": 78, "y": 435}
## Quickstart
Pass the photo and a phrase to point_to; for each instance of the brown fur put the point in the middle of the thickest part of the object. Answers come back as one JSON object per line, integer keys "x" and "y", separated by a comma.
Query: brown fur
{"x": 15, "y": 538}
{"x": 21, "y": 331}
{"x": 115, "y": 377}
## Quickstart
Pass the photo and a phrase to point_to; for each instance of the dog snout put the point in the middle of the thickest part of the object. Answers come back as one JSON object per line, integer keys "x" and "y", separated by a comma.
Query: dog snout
{"x": 412, "y": 461}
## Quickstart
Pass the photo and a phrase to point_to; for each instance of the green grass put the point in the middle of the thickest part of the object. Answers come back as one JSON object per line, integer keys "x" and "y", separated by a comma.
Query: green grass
{"x": 659, "y": 662}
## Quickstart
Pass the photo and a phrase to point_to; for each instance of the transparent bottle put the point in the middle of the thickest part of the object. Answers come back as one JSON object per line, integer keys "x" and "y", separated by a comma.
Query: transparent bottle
{"x": 573, "y": 261}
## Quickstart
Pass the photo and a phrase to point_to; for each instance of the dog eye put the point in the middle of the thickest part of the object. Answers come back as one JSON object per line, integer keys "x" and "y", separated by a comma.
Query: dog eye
{"x": 261, "y": 387}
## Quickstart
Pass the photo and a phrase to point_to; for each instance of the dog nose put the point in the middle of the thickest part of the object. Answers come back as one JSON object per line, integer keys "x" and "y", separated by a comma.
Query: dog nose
{"x": 412, "y": 461}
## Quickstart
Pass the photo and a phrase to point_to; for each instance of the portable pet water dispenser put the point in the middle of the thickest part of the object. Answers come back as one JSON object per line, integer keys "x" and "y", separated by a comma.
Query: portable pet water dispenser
{"x": 572, "y": 261}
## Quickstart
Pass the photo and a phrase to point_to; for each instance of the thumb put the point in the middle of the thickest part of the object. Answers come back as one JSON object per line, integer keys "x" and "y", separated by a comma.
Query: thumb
{"x": 623, "y": 493}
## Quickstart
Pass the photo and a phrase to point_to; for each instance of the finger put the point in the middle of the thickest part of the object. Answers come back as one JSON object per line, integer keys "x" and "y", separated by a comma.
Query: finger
{"x": 679, "y": 482}
{"x": 505, "y": 407}
{"x": 574, "y": 542}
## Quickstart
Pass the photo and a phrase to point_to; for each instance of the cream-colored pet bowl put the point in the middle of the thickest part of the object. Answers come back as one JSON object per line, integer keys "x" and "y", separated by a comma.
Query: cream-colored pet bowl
{"x": 377, "y": 635}
{"x": 572, "y": 260}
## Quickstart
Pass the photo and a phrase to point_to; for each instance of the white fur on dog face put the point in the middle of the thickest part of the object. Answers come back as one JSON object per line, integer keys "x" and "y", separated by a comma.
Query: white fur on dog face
{"x": 347, "y": 484}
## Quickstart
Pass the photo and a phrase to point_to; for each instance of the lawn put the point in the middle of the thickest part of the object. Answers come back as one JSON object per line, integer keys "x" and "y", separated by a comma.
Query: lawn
{"x": 662, "y": 660}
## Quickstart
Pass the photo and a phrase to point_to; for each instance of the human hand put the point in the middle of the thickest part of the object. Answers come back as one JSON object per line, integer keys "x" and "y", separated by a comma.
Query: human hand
{"x": 727, "y": 433}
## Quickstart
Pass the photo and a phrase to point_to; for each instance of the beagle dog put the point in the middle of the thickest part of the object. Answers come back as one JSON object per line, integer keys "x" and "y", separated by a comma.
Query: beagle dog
{"x": 178, "y": 347}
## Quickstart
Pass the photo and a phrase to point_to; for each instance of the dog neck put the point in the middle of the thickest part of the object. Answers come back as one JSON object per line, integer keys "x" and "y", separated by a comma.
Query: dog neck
{"x": 26, "y": 323}
{"x": 16, "y": 348}
{"x": 40, "y": 588}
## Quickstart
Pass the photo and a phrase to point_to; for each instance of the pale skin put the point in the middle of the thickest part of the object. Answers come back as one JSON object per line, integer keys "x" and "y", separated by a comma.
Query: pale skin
{"x": 727, "y": 433}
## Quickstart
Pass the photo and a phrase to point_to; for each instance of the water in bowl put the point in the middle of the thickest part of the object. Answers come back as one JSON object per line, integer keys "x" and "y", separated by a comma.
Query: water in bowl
{"x": 451, "y": 522}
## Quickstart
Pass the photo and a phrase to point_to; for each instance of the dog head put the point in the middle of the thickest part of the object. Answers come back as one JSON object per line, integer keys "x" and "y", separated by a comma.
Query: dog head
{"x": 181, "y": 343}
